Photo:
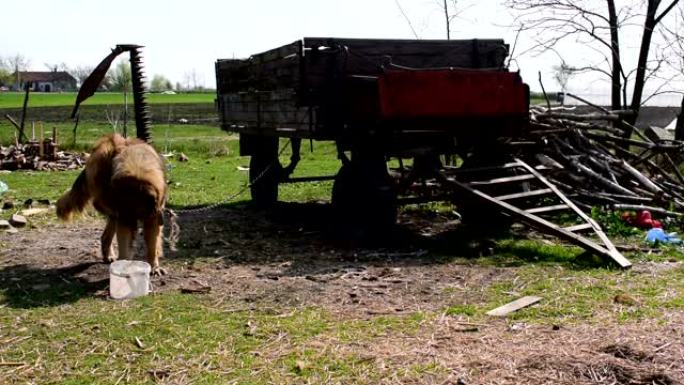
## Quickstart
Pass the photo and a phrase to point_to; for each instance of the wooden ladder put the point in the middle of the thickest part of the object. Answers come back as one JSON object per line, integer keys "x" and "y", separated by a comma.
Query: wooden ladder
{"x": 522, "y": 192}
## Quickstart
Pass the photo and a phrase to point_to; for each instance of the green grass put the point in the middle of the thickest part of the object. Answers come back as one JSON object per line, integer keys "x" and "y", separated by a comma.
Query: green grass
{"x": 211, "y": 175}
{"x": 53, "y": 99}
{"x": 97, "y": 342}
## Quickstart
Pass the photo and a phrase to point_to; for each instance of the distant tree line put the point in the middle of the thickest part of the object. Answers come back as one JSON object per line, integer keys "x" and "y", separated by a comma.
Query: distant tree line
{"x": 118, "y": 78}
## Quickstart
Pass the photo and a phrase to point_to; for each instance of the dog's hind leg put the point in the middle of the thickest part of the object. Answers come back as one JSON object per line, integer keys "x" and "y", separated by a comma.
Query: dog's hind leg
{"x": 125, "y": 235}
{"x": 152, "y": 231}
{"x": 108, "y": 254}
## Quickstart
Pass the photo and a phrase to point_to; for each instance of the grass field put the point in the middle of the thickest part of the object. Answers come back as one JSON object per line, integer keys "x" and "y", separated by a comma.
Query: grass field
{"x": 51, "y": 99}
{"x": 42, "y": 99}
{"x": 63, "y": 334}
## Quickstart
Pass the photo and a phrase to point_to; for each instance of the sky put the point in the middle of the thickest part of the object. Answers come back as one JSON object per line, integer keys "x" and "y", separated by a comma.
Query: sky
{"x": 181, "y": 36}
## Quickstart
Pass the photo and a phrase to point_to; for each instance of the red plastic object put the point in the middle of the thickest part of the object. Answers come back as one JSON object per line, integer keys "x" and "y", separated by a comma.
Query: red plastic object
{"x": 643, "y": 219}
{"x": 452, "y": 94}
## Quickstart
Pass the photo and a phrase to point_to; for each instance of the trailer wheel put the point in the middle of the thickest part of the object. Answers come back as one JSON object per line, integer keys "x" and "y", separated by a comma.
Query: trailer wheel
{"x": 364, "y": 199}
{"x": 479, "y": 216}
{"x": 264, "y": 171}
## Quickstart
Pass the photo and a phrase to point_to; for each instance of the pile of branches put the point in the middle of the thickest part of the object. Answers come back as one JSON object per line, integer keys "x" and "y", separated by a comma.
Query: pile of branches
{"x": 598, "y": 159}
{"x": 27, "y": 157}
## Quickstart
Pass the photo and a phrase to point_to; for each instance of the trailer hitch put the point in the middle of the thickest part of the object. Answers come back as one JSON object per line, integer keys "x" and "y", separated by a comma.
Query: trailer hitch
{"x": 140, "y": 107}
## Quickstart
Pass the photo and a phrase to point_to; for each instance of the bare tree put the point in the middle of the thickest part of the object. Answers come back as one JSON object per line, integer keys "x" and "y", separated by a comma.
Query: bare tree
{"x": 5, "y": 73}
{"x": 598, "y": 25}
{"x": 450, "y": 9}
{"x": 17, "y": 63}
{"x": 57, "y": 67}
{"x": 675, "y": 36}
{"x": 562, "y": 74}
{"x": 408, "y": 19}
{"x": 192, "y": 80}
{"x": 113, "y": 117}
{"x": 81, "y": 73}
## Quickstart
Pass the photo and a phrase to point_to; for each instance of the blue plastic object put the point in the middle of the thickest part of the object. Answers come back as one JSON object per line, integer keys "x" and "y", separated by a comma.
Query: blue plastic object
{"x": 658, "y": 235}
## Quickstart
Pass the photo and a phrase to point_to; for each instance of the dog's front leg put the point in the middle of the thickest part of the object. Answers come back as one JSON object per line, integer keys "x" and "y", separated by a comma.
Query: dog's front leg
{"x": 152, "y": 231}
{"x": 125, "y": 235}
{"x": 108, "y": 254}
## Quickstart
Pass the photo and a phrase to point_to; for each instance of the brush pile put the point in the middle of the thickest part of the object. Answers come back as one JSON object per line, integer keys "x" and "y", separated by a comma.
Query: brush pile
{"x": 597, "y": 159}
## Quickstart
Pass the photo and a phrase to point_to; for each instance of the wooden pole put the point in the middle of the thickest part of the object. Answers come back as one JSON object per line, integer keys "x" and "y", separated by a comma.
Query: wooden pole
{"x": 78, "y": 118}
{"x": 23, "y": 111}
{"x": 125, "y": 114}
{"x": 14, "y": 123}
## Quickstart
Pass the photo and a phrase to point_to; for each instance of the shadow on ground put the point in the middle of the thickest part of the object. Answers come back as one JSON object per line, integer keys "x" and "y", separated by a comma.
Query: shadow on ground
{"x": 307, "y": 234}
{"x": 277, "y": 251}
{"x": 27, "y": 286}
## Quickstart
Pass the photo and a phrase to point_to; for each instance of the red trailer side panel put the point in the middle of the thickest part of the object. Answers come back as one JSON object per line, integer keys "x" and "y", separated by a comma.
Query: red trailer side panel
{"x": 449, "y": 94}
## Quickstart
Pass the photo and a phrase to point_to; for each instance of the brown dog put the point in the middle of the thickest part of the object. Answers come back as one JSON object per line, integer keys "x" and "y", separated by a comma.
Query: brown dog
{"x": 124, "y": 179}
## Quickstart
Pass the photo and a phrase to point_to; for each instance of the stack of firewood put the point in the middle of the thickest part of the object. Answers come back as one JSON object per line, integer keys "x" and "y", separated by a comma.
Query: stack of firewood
{"x": 36, "y": 156}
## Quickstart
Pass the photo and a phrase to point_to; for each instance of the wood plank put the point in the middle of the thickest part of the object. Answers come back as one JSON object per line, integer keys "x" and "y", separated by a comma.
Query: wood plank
{"x": 544, "y": 225}
{"x": 579, "y": 227}
{"x": 524, "y": 194}
{"x": 508, "y": 179}
{"x": 516, "y": 305}
{"x": 278, "y": 53}
{"x": 612, "y": 252}
{"x": 547, "y": 209}
{"x": 486, "y": 49}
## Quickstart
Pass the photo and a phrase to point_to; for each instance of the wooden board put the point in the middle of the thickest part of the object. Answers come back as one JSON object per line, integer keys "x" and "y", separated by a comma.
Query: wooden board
{"x": 516, "y": 305}
{"x": 532, "y": 216}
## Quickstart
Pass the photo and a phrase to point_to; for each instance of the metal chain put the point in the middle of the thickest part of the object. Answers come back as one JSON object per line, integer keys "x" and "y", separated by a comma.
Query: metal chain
{"x": 172, "y": 215}
{"x": 237, "y": 194}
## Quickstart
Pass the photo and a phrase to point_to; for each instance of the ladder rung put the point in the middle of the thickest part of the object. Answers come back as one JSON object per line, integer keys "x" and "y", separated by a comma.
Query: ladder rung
{"x": 508, "y": 179}
{"x": 546, "y": 209}
{"x": 525, "y": 194}
{"x": 583, "y": 226}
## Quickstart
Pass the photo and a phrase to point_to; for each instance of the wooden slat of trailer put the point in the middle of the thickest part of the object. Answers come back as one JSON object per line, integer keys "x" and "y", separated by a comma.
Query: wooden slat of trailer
{"x": 293, "y": 48}
{"x": 407, "y": 46}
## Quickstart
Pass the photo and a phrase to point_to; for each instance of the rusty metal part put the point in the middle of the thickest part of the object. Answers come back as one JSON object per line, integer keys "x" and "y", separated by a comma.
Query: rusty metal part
{"x": 93, "y": 80}
{"x": 90, "y": 85}
{"x": 142, "y": 110}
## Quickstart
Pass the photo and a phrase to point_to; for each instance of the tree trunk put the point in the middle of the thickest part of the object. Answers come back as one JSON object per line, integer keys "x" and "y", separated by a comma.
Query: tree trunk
{"x": 616, "y": 86}
{"x": 446, "y": 18}
{"x": 649, "y": 25}
{"x": 679, "y": 128}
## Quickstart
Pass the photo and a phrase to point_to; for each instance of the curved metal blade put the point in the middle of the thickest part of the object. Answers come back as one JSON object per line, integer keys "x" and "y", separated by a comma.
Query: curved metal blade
{"x": 93, "y": 81}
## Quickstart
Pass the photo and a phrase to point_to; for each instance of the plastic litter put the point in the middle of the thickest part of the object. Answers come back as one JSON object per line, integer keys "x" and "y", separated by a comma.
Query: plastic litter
{"x": 3, "y": 187}
{"x": 658, "y": 235}
{"x": 129, "y": 279}
{"x": 643, "y": 220}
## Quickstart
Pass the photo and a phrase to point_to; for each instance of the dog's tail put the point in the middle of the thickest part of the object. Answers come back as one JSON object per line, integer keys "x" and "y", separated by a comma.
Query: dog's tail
{"x": 75, "y": 200}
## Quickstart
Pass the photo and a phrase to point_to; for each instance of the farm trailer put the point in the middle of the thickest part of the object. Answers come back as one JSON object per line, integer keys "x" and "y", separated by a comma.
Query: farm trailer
{"x": 378, "y": 99}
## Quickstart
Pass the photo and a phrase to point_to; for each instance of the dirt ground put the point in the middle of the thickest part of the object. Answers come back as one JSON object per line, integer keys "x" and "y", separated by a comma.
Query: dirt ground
{"x": 290, "y": 257}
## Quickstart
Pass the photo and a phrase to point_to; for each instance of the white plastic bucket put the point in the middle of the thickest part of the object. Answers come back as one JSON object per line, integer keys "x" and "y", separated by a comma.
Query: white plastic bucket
{"x": 129, "y": 279}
